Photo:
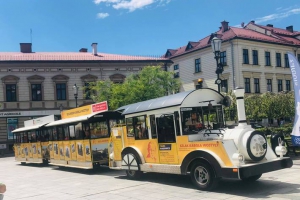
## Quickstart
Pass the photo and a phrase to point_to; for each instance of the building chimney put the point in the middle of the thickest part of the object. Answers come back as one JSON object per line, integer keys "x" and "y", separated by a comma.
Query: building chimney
{"x": 83, "y": 50}
{"x": 290, "y": 28}
{"x": 94, "y": 45}
{"x": 253, "y": 21}
{"x": 270, "y": 25}
{"x": 224, "y": 26}
{"x": 25, "y": 47}
{"x": 240, "y": 104}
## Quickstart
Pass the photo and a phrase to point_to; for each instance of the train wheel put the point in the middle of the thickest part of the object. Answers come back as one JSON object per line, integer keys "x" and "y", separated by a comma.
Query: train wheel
{"x": 252, "y": 178}
{"x": 131, "y": 163}
{"x": 203, "y": 176}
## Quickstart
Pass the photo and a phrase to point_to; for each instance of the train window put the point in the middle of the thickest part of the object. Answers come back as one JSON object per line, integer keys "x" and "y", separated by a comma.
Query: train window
{"x": 176, "y": 115}
{"x": 165, "y": 129}
{"x": 99, "y": 129}
{"x": 136, "y": 127}
{"x": 153, "y": 126}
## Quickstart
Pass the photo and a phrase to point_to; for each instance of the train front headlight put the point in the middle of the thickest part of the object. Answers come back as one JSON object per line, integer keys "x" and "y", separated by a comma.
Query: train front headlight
{"x": 238, "y": 159}
{"x": 281, "y": 151}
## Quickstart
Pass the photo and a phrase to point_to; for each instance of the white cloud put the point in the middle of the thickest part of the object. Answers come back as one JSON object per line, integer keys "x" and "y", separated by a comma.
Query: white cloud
{"x": 106, "y": 1}
{"x": 102, "y": 15}
{"x": 131, "y": 5}
{"x": 294, "y": 11}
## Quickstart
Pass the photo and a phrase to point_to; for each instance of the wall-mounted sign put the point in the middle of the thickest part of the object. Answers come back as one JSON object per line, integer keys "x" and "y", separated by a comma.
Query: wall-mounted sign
{"x": 29, "y": 113}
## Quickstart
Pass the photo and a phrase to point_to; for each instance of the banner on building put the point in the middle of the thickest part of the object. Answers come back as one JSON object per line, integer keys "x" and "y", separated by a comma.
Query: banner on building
{"x": 295, "y": 69}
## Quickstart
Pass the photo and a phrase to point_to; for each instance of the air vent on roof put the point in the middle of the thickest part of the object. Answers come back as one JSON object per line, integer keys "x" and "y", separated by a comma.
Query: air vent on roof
{"x": 25, "y": 47}
{"x": 224, "y": 26}
{"x": 83, "y": 50}
{"x": 290, "y": 28}
{"x": 94, "y": 45}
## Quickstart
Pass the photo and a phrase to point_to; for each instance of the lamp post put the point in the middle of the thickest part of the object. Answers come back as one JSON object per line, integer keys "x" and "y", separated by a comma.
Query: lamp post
{"x": 216, "y": 47}
{"x": 75, "y": 90}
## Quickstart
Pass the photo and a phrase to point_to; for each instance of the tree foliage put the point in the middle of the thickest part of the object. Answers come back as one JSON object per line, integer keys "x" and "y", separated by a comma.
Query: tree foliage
{"x": 268, "y": 105}
{"x": 151, "y": 82}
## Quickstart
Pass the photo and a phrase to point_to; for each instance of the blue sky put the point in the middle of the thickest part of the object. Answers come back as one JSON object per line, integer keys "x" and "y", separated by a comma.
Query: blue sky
{"x": 130, "y": 27}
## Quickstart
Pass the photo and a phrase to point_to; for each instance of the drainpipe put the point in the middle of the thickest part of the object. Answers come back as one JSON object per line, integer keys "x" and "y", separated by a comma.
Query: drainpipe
{"x": 295, "y": 51}
{"x": 232, "y": 61}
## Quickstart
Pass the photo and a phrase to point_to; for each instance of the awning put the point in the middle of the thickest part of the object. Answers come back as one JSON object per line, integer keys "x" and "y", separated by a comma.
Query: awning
{"x": 71, "y": 120}
{"x": 28, "y": 128}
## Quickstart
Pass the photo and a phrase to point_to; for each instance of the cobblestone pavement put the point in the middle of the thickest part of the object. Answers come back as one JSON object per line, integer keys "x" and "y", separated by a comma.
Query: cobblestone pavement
{"x": 36, "y": 182}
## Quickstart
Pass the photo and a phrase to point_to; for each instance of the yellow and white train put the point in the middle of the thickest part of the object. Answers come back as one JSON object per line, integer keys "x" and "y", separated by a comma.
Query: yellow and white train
{"x": 185, "y": 133}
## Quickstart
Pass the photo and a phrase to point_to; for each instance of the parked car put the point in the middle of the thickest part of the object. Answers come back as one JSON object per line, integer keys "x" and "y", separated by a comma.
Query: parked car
{"x": 263, "y": 128}
{"x": 256, "y": 125}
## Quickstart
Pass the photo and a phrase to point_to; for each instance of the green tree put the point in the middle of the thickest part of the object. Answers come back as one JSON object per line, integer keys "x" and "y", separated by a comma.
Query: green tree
{"x": 149, "y": 83}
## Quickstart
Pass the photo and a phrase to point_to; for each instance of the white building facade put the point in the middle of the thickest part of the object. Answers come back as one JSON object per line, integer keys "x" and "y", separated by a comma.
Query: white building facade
{"x": 37, "y": 84}
{"x": 254, "y": 57}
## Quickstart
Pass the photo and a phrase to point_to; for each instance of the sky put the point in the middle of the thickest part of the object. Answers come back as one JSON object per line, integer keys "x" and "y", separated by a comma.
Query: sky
{"x": 130, "y": 27}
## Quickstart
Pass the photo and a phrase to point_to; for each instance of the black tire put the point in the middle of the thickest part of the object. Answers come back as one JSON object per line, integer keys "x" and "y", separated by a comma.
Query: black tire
{"x": 203, "y": 176}
{"x": 134, "y": 175}
{"x": 251, "y": 178}
{"x": 134, "y": 163}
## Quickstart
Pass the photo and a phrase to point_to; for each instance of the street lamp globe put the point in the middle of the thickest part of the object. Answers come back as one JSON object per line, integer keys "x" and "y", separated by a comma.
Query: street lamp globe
{"x": 75, "y": 89}
{"x": 216, "y": 44}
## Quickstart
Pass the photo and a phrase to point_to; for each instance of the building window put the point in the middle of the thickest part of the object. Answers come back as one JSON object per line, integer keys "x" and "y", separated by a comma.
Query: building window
{"x": 256, "y": 85}
{"x": 247, "y": 85}
{"x": 11, "y": 92}
{"x": 224, "y": 84}
{"x": 299, "y": 58}
{"x": 176, "y": 67}
{"x": 278, "y": 59}
{"x": 288, "y": 85}
{"x": 269, "y": 85}
{"x": 245, "y": 56}
{"x": 286, "y": 61}
{"x": 255, "y": 57}
{"x": 223, "y": 59}
{"x": 279, "y": 85}
{"x": 61, "y": 93}
{"x": 36, "y": 92}
{"x": 176, "y": 75}
{"x": 197, "y": 65}
{"x": 87, "y": 91}
{"x": 268, "y": 58}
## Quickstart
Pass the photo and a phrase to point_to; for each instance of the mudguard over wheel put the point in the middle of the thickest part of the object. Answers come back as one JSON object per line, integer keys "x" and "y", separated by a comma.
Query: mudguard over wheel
{"x": 203, "y": 176}
{"x": 252, "y": 178}
{"x": 131, "y": 163}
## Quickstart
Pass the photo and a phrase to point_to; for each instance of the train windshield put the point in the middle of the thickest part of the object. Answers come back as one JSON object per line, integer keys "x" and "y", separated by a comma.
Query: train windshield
{"x": 195, "y": 119}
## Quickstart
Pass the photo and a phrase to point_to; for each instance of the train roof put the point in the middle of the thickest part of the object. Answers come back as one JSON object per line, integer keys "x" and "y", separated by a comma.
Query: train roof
{"x": 159, "y": 103}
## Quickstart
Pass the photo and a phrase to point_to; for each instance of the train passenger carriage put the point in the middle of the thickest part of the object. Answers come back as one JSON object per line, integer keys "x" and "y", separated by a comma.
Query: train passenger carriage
{"x": 186, "y": 133}
{"x": 31, "y": 141}
{"x": 80, "y": 139}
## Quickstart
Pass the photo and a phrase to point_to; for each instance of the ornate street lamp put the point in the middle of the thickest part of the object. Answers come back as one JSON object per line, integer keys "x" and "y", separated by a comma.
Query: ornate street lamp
{"x": 75, "y": 90}
{"x": 216, "y": 47}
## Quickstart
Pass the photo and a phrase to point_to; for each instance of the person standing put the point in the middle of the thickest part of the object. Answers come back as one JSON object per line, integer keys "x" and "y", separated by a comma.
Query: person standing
{"x": 2, "y": 190}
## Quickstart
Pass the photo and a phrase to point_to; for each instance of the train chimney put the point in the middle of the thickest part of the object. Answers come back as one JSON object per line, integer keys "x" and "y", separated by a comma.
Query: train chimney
{"x": 240, "y": 103}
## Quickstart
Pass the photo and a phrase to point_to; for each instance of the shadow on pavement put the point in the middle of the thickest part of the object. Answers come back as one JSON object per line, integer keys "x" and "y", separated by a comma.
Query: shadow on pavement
{"x": 262, "y": 188}
{"x": 103, "y": 170}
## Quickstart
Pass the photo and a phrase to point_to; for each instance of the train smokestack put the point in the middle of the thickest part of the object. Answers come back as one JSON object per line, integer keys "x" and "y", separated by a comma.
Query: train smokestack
{"x": 240, "y": 103}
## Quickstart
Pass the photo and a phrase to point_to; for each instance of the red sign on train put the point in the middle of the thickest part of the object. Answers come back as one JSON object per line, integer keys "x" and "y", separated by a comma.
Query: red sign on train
{"x": 102, "y": 106}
